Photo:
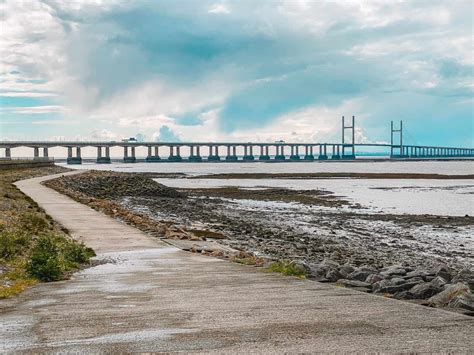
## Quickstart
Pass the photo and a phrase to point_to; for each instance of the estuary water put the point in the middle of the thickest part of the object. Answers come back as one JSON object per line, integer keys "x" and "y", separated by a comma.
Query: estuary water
{"x": 394, "y": 196}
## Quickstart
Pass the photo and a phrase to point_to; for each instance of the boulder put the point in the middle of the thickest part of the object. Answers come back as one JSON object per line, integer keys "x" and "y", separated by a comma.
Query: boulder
{"x": 372, "y": 278}
{"x": 319, "y": 271}
{"x": 465, "y": 276}
{"x": 465, "y": 301}
{"x": 438, "y": 282}
{"x": 450, "y": 292}
{"x": 397, "y": 281}
{"x": 423, "y": 290}
{"x": 345, "y": 270}
{"x": 445, "y": 272}
{"x": 354, "y": 283}
{"x": 391, "y": 271}
{"x": 420, "y": 273}
{"x": 397, "y": 288}
{"x": 359, "y": 275}
{"x": 377, "y": 286}
{"x": 334, "y": 275}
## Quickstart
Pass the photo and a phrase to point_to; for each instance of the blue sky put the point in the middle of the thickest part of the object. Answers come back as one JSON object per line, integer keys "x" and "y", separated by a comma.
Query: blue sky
{"x": 236, "y": 70}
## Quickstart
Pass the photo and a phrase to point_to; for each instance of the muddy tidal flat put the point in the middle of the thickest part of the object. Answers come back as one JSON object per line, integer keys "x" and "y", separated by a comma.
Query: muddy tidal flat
{"x": 407, "y": 236}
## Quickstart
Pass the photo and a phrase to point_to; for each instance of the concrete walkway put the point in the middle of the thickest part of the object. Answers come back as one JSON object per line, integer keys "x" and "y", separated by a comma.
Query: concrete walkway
{"x": 154, "y": 298}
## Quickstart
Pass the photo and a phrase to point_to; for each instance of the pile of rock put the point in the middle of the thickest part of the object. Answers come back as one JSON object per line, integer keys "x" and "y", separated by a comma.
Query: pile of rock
{"x": 101, "y": 184}
{"x": 441, "y": 287}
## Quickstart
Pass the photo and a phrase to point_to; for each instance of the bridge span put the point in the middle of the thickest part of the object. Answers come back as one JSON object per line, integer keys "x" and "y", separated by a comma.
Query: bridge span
{"x": 276, "y": 151}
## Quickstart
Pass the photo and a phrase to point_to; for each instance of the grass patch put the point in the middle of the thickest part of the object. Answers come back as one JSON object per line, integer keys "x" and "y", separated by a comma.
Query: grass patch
{"x": 33, "y": 248}
{"x": 286, "y": 267}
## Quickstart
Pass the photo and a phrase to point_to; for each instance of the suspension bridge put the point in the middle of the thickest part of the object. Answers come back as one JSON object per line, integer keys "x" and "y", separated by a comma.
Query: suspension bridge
{"x": 252, "y": 151}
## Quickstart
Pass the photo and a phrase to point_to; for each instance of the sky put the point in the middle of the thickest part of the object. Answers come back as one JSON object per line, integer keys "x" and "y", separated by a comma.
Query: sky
{"x": 188, "y": 70}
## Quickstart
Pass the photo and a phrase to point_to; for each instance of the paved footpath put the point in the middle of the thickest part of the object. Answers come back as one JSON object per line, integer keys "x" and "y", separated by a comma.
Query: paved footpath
{"x": 152, "y": 297}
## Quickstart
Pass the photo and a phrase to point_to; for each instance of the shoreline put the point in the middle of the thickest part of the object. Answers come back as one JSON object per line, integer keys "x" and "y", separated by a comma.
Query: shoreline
{"x": 402, "y": 277}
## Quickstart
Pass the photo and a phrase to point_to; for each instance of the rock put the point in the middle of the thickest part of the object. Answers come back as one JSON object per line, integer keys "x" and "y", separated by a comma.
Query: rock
{"x": 466, "y": 276}
{"x": 319, "y": 271}
{"x": 372, "y": 278}
{"x": 334, "y": 275}
{"x": 465, "y": 301}
{"x": 445, "y": 272}
{"x": 377, "y": 286}
{"x": 443, "y": 298}
{"x": 354, "y": 283}
{"x": 400, "y": 295}
{"x": 423, "y": 291}
{"x": 392, "y": 271}
{"x": 438, "y": 282}
{"x": 419, "y": 273}
{"x": 345, "y": 270}
{"x": 359, "y": 275}
{"x": 394, "y": 289}
{"x": 397, "y": 281}
{"x": 301, "y": 267}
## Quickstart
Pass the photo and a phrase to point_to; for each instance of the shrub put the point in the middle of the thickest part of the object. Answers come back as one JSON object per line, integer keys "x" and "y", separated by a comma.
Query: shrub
{"x": 76, "y": 253}
{"x": 12, "y": 243}
{"x": 45, "y": 261}
{"x": 286, "y": 268}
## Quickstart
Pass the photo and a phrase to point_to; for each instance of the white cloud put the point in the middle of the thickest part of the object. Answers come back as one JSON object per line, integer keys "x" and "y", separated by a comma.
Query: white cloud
{"x": 219, "y": 9}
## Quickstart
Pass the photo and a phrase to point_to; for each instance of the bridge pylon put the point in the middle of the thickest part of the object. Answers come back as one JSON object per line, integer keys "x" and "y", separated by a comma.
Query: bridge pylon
{"x": 351, "y": 145}
{"x": 402, "y": 151}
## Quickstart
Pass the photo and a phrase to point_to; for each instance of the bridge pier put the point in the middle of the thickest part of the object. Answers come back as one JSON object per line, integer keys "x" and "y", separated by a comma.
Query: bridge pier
{"x": 213, "y": 156}
{"x": 101, "y": 159}
{"x": 233, "y": 156}
{"x": 8, "y": 154}
{"x": 323, "y": 152}
{"x": 264, "y": 153}
{"x": 248, "y": 153}
{"x": 129, "y": 158}
{"x": 280, "y": 153}
{"x": 172, "y": 157}
{"x": 196, "y": 158}
{"x": 153, "y": 156}
{"x": 335, "y": 152}
{"x": 308, "y": 153}
{"x": 295, "y": 156}
{"x": 71, "y": 159}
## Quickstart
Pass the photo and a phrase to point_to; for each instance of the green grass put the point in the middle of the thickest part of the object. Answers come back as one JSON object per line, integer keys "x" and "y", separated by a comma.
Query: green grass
{"x": 33, "y": 248}
{"x": 287, "y": 268}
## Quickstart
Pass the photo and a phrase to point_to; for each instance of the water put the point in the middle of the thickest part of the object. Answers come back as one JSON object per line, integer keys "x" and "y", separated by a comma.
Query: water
{"x": 398, "y": 196}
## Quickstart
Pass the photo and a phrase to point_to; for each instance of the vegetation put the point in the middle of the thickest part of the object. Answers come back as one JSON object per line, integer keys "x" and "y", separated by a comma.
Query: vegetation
{"x": 33, "y": 247}
{"x": 286, "y": 267}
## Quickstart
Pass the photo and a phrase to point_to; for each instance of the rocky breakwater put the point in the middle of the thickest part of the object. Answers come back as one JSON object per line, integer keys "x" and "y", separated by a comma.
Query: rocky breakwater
{"x": 105, "y": 191}
{"x": 440, "y": 287}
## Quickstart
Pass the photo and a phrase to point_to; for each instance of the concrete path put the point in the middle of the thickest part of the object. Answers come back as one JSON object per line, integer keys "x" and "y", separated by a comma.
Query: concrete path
{"x": 154, "y": 298}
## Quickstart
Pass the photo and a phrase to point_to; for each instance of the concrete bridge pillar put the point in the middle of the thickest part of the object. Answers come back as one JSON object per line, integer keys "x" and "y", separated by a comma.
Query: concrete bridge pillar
{"x": 248, "y": 153}
{"x": 309, "y": 153}
{"x": 264, "y": 153}
{"x": 36, "y": 152}
{"x": 8, "y": 154}
{"x": 280, "y": 152}
{"x": 45, "y": 152}
{"x": 175, "y": 157}
{"x": 323, "y": 152}
{"x": 153, "y": 154}
{"x": 194, "y": 157}
{"x": 335, "y": 152}
{"x": 101, "y": 159}
{"x": 74, "y": 159}
{"x": 129, "y": 158}
{"x": 294, "y": 153}
{"x": 231, "y": 153}
{"x": 213, "y": 153}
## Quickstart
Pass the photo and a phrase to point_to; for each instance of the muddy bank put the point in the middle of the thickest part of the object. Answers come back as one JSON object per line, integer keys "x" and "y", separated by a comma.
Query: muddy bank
{"x": 333, "y": 175}
{"x": 407, "y": 257}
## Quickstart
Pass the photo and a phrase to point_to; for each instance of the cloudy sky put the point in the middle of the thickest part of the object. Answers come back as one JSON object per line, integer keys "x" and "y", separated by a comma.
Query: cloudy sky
{"x": 236, "y": 70}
